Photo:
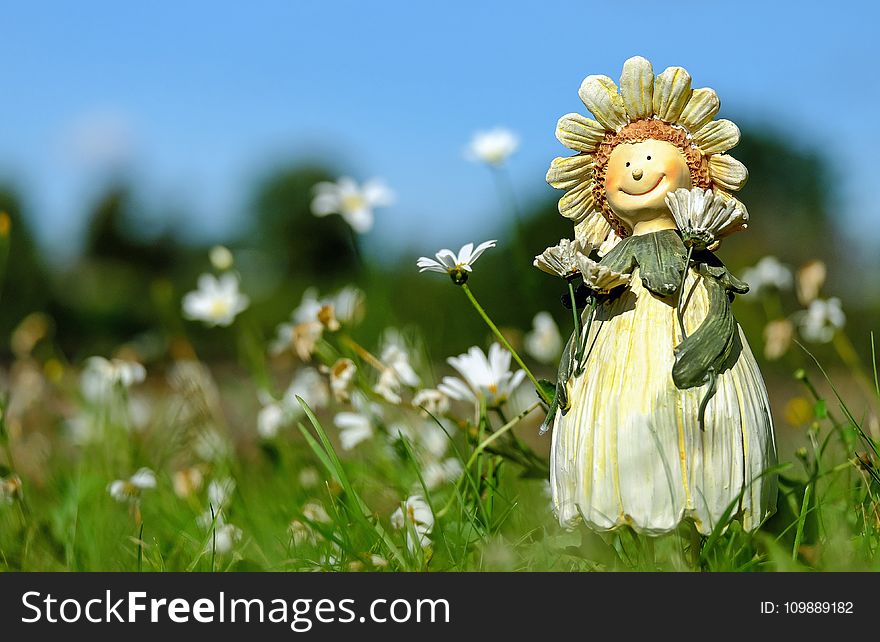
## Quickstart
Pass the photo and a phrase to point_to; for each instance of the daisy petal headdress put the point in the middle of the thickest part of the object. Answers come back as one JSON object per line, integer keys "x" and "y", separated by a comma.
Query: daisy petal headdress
{"x": 663, "y": 107}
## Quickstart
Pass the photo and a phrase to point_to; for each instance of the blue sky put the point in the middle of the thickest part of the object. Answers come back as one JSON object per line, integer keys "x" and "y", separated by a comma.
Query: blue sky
{"x": 197, "y": 99}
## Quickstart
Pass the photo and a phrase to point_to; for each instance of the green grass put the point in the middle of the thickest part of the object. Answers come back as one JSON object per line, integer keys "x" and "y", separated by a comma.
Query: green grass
{"x": 496, "y": 517}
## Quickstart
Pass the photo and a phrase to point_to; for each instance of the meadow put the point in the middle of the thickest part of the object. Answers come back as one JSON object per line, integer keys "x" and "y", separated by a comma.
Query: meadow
{"x": 326, "y": 447}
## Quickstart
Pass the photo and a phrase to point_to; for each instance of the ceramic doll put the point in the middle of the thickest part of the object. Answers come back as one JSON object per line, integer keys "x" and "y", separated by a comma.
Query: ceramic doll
{"x": 655, "y": 423}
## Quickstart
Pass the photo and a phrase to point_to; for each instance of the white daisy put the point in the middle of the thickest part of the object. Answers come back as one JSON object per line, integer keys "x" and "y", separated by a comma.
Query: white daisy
{"x": 10, "y": 489}
{"x": 270, "y": 420}
{"x": 768, "y": 274}
{"x": 216, "y": 302}
{"x": 129, "y": 490}
{"x": 821, "y": 320}
{"x": 341, "y": 374}
{"x": 492, "y": 147}
{"x": 544, "y": 342}
{"x": 398, "y": 370}
{"x": 484, "y": 377}
{"x": 309, "y": 385}
{"x": 225, "y": 537}
{"x": 355, "y": 203}
{"x": 455, "y": 265}
{"x": 102, "y": 376}
{"x": 600, "y": 278}
{"x": 437, "y": 473}
{"x": 415, "y": 516}
{"x": 561, "y": 259}
{"x": 357, "y": 426}
{"x": 309, "y": 477}
{"x": 313, "y": 316}
{"x": 220, "y": 492}
{"x": 704, "y": 217}
{"x": 431, "y": 401}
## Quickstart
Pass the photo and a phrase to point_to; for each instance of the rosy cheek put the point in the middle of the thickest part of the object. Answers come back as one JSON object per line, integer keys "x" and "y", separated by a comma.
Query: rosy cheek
{"x": 672, "y": 169}
{"x": 612, "y": 178}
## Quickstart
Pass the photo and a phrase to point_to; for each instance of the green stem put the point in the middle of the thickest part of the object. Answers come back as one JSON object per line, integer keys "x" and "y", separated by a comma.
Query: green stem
{"x": 495, "y": 435}
{"x": 574, "y": 310}
{"x": 582, "y": 345}
{"x": 679, "y": 309}
{"x": 505, "y": 343}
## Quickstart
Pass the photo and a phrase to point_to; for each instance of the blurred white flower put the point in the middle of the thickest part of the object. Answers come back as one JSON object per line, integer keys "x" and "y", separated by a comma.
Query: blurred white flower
{"x": 810, "y": 279}
{"x": 210, "y": 445}
{"x": 561, "y": 259}
{"x": 427, "y": 438}
{"x": 220, "y": 492}
{"x": 544, "y": 342}
{"x": 431, "y": 401}
{"x": 484, "y": 377}
{"x": 455, "y": 265}
{"x": 777, "y": 338}
{"x": 341, "y": 377}
{"x": 187, "y": 481}
{"x": 492, "y": 147}
{"x": 221, "y": 258}
{"x": 416, "y": 517}
{"x": 355, "y": 203}
{"x": 309, "y": 385}
{"x": 102, "y": 376}
{"x": 309, "y": 477}
{"x": 216, "y": 302}
{"x": 271, "y": 418}
{"x": 767, "y": 274}
{"x": 437, "y": 473}
{"x": 226, "y": 536}
{"x": 313, "y": 316}
{"x": 398, "y": 371}
{"x": 10, "y": 489}
{"x": 129, "y": 490}
{"x": 356, "y": 427}
{"x": 704, "y": 217}
{"x": 315, "y": 512}
{"x": 821, "y": 320}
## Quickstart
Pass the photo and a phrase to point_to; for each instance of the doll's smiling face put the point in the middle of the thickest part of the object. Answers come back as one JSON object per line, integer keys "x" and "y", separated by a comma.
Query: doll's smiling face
{"x": 638, "y": 177}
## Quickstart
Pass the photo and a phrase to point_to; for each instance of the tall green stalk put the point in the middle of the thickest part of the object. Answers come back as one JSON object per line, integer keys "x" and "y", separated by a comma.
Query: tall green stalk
{"x": 505, "y": 343}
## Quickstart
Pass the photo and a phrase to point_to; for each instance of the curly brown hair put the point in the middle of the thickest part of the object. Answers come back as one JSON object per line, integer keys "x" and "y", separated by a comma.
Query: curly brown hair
{"x": 636, "y": 132}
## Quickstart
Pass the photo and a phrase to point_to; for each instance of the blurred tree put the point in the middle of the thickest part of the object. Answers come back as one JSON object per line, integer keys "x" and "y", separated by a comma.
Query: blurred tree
{"x": 789, "y": 196}
{"x": 306, "y": 248}
{"x": 25, "y": 279}
{"x": 105, "y": 298}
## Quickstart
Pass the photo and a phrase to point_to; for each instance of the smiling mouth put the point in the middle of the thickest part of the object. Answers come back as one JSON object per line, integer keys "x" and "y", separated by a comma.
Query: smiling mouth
{"x": 659, "y": 180}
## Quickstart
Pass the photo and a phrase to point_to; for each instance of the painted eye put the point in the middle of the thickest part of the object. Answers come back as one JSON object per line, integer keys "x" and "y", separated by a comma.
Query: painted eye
{"x": 627, "y": 164}
{"x": 649, "y": 158}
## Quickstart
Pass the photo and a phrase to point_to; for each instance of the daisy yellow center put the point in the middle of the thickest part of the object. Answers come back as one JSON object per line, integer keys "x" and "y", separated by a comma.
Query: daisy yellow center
{"x": 352, "y": 202}
{"x": 219, "y": 308}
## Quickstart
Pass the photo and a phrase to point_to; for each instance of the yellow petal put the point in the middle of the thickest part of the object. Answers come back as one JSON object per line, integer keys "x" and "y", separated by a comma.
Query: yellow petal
{"x": 594, "y": 229}
{"x": 700, "y": 109}
{"x": 637, "y": 88}
{"x": 727, "y": 172}
{"x": 599, "y": 94}
{"x": 717, "y": 136}
{"x": 567, "y": 171}
{"x": 672, "y": 91}
{"x": 579, "y": 133}
{"x": 578, "y": 202}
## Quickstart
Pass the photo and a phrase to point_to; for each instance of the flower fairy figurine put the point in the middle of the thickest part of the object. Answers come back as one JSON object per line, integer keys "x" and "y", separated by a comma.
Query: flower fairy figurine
{"x": 661, "y": 413}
